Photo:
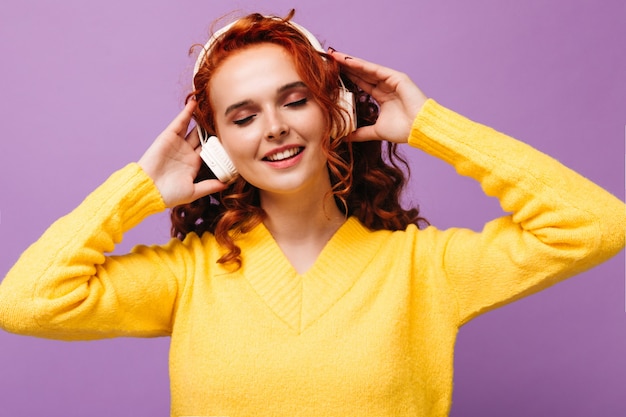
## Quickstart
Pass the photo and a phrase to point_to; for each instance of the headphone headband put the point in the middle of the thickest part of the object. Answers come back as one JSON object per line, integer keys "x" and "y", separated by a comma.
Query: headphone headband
{"x": 216, "y": 35}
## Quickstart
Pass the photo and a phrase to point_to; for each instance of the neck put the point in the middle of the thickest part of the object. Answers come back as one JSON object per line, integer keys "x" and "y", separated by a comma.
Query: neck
{"x": 301, "y": 218}
{"x": 301, "y": 225}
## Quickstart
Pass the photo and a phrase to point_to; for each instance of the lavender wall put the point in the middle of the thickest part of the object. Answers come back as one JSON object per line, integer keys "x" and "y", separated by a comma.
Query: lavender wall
{"x": 85, "y": 86}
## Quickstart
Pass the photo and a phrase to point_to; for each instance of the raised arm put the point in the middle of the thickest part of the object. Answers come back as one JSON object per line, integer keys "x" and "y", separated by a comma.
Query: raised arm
{"x": 65, "y": 286}
{"x": 561, "y": 223}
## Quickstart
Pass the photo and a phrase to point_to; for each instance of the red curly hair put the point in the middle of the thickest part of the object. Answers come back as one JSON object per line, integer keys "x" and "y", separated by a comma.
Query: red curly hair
{"x": 367, "y": 177}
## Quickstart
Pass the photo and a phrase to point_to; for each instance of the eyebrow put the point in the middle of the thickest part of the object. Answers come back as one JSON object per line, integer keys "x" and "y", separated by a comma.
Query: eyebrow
{"x": 289, "y": 86}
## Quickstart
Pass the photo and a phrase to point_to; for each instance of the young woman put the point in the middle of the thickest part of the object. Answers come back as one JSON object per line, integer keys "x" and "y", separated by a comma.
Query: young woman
{"x": 302, "y": 287}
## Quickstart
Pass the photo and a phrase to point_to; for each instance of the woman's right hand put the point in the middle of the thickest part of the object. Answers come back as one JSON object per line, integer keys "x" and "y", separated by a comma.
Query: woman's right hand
{"x": 173, "y": 162}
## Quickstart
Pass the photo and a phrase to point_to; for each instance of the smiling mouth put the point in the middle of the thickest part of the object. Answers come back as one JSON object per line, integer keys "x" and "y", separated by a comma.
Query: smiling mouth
{"x": 286, "y": 154}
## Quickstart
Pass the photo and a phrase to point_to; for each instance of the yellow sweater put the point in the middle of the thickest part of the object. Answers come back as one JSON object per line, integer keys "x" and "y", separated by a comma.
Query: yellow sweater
{"x": 369, "y": 330}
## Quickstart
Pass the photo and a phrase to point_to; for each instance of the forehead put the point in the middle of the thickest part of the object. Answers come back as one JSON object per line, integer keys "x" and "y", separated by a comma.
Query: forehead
{"x": 254, "y": 70}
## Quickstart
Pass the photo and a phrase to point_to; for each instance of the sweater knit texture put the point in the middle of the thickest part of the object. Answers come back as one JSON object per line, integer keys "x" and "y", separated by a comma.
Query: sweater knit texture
{"x": 368, "y": 330}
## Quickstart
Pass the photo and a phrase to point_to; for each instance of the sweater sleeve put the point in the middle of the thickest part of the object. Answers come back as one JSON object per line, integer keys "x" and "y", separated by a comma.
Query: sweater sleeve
{"x": 560, "y": 224}
{"x": 64, "y": 287}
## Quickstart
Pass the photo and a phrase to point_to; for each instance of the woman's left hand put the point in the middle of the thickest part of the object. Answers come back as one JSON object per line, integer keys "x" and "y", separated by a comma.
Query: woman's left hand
{"x": 399, "y": 98}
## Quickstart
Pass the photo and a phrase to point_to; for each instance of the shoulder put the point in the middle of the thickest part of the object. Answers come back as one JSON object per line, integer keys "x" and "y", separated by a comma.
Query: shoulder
{"x": 192, "y": 247}
{"x": 412, "y": 235}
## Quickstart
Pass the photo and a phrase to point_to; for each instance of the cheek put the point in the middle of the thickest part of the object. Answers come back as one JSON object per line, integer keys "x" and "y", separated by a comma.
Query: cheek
{"x": 319, "y": 126}
{"x": 239, "y": 148}
{"x": 233, "y": 140}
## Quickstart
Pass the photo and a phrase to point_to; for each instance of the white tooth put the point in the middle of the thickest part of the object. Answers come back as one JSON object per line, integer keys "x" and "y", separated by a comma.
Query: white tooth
{"x": 283, "y": 155}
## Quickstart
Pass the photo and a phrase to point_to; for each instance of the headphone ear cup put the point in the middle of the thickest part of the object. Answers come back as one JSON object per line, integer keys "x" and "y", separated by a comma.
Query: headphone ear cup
{"x": 348, "y": 106}
{"x": 215, "y": 157}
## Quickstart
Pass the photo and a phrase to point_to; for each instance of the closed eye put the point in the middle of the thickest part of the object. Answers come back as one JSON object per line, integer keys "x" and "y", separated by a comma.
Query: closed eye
{"x": 297, "y": 103}
{"x": 245, "y": 120}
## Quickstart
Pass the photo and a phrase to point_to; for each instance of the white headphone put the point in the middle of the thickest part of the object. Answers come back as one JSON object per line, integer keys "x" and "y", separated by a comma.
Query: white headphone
{"x": 212, "y": 152}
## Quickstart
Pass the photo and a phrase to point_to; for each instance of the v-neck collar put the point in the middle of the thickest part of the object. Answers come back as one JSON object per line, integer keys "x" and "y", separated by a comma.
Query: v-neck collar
{"x": 300, "y": 299}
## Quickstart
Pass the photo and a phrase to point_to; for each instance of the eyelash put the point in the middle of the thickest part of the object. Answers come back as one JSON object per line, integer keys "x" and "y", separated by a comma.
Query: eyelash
{"x": 245, "y": 120}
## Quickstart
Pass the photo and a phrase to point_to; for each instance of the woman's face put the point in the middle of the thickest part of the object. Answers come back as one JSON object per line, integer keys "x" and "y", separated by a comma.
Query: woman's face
{"x": 268, "y": 122}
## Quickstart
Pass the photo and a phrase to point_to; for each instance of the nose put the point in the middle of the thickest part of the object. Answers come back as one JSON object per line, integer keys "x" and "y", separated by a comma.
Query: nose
{"x": 277, "y": 127}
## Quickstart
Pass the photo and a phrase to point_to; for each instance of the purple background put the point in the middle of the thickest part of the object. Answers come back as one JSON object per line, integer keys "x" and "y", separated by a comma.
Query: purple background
{"x": 86, "y": 86}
